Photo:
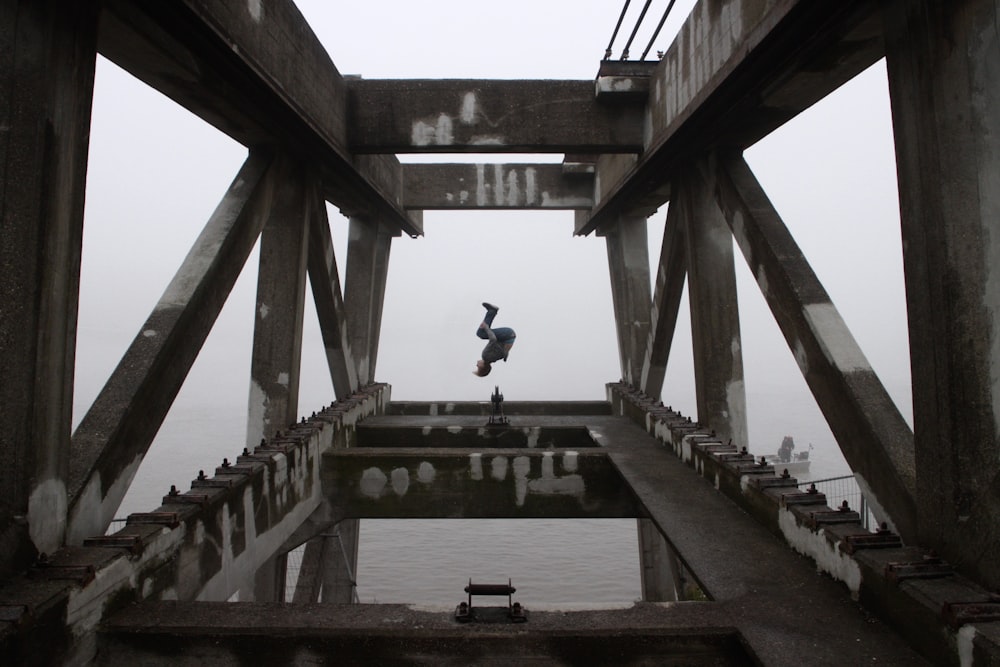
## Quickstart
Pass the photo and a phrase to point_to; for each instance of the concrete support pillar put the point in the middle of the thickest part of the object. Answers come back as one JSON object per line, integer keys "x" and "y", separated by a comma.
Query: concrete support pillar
{"x": 943, "y": 62}
{"x": 340, "y": 563}
{"x": 309, "y": 581}
{"x": 715, "y": 317}
{"x": 657, "y": 565}
{"x": 670, "y": 275}
{"x": 269, "y": 581}
{"x": 628, "y": 263}
{"x": 364, "y": 291}
{"x": 49, "y": 53}
{"x": 281, "y": 288}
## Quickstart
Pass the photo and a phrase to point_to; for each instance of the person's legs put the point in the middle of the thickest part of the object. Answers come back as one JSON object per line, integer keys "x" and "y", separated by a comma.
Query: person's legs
{"x": 491, "y": 312}
{"x": 505, "y": 335}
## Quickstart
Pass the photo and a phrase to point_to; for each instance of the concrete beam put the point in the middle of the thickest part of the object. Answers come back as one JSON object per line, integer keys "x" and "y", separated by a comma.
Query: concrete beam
{"x": 944, "y": 85}
{"x": 116, "y": 432}
{"x": 47, "y": 78}
{"x": 368, "y": 246}
{"x": 488, "y": 116}
{"x": 871, "y": 433}
{"x": 281, "y": 288}
{"x": 731, "y": 77}
{"x": 670, "y": 274}
{"x": 260, "y": 75}
{"x": 496, "y": 186}
{"x": 340, "y": 563}
{"x": 628, "y": 264}
{"x": 325, "y": 282}
{"x": 474, "y": 484}
{"x": 715, "y": 316}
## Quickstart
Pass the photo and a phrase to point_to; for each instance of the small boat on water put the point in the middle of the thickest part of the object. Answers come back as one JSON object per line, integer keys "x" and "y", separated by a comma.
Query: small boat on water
{"x": 796, "y": 463}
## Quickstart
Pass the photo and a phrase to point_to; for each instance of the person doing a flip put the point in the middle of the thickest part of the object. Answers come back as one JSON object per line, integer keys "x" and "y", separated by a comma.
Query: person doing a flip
{"x": 501, "y": 339}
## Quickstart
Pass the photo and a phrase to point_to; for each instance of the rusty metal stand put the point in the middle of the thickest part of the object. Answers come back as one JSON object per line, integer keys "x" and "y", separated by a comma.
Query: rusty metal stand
{"x": 515, "y": 613}
{"x": 497, "y": 417}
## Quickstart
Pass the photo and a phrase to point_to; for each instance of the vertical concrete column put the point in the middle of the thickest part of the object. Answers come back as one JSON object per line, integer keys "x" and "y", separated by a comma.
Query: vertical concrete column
{"x": 340, "y": 562}
{"x": 48, "y": 52}
{"x": 309, "y": 581}
{"x": 715, "y": 317}
{"x": 628, "y": 264}
{"x": 269, "y": 581}
{"x": 364, "y": 291}
{"x": 944, "y": 84}
{"x": 656, "y": 564}
{"x": 281, "y": 289}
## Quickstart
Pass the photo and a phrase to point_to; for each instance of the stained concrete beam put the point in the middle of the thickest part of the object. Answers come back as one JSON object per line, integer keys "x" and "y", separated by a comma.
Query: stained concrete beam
{"x": 730, "y": 78}
{"x": 374, "y": 483}
{"x": 628, "y": 267}
{"x": 257, "y": 72}
{"x": 496, "y": 186}
{"x": 488, "y": 116}
{"x": 872, "y": 435}
{"x": 116, "y": 432}
{"x": 368, "y": 246}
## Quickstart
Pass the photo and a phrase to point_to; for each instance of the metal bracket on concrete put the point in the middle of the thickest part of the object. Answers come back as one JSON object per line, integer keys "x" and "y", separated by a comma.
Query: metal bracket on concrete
{"x": 958, "y": 614}
{"x": 928, "y": 568}
{"x": 514, "y": 612}
{"x": 497, "y": 417}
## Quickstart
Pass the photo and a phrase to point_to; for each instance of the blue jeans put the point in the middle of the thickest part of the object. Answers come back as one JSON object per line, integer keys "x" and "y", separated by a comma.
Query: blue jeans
{"x": 505, "y": 335}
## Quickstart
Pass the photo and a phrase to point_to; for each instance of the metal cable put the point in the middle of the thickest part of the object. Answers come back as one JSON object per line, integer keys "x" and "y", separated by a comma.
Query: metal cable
{"x": 663, "y": 19}
{"x": 621, "y": 17}
{"x": 636, "y": 28}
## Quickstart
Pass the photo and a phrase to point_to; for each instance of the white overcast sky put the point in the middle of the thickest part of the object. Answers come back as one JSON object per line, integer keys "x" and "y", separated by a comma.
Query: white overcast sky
{"x": 157, "y": 172}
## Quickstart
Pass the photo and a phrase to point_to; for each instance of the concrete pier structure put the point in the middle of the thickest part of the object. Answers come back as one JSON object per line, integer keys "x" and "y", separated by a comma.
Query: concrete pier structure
{"x": 921, "y": 589}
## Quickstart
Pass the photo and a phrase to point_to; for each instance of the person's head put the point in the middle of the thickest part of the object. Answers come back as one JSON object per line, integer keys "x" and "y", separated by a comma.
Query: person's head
{"x": 483, "y": 368}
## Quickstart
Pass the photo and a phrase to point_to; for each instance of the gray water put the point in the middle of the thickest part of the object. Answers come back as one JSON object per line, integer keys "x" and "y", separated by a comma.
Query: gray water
{"x": 567, "y": 563}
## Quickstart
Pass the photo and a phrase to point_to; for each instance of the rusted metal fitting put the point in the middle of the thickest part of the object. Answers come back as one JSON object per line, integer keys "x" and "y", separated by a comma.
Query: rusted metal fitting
{"x": 844, "y": 507}
{"x": 225, "y": 463}
{"x": 201, "y": 474}
{"x": 812, "y": 489}
{"x": 173, "y": 491}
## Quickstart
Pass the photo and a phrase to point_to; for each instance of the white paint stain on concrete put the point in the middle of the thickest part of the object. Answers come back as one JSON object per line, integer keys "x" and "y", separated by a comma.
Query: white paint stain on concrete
{"x": 469, "y": 106}
{"x": 454, "y": 429}
{"x": 426, "y": 472}
{"x": 965, "y": 638}
{"x": 498, "y": 468}
{"x": 521, "y": 467}
{"x": 47, "y": 515}
{"x": 425, "y": 431}
{"x": 801, "y": 358}
{"x": 149, "y": 333}
{"x": 400, "y": 480}
{"x": 835, "y": 338}
{"x": 814, "y": 544}
{"x": 449, "y": 408}
{"x": 263, "y": 310}
{"x": 373, "y": 481}
{"x": 530, "y": 185}
{"x": 255, "y": 9}
{"x": 532, "y": 434}
{"x": 570, "y": 461}
{"x": 433, "y": 410}
{"x": 283, "y": 379}
{"x": 476, "y": 466}
{"x": 548, "y": 465}
{"x": 513, "y": 189}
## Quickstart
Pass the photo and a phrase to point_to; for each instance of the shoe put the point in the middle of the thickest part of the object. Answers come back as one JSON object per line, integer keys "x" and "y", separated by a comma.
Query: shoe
{"x": 490, "y": 306}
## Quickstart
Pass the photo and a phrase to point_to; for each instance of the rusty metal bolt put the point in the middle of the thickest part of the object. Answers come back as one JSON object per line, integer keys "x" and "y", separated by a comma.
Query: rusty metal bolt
{"x": 812, "y": 489}
{"x": 225, "y": 463}
{"x": 246, "y": 451}
{"x": 844, "y": 507}
{"x": 743, "y": 450}
{"x": 762, "y": 462}
{"x": 201, "y": 474}
{"x": 173, "y": 491}
{"x": 263, "y": 441}
{"x": 785, "y": 474}
{"x": 883, "y": 529}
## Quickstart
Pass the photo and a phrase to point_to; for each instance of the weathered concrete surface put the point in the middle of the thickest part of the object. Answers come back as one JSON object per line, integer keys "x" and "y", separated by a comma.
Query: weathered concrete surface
{"x": 944, "y": 86}
{"x": 273, "y": 403}
{"x": 220, "y": 537}
{"x": 47, "y": 79}
{"x": 113, "y": 436}
{"x": 720, "y": 390}
{"x": 471, "y": 432}
{"x": 510, "y": 408}
{"x": 474, "y": 116}
{"x": 258, "y": 73}
{"x": 495, "y": 186}
{"x": 368, "y": 246}
{"x": 237, "y": 634}
{"x": 372, "y": 483}
{"x": 736, "y": 71}
{"x": 628, "y": 267}
{"x": 873, "y": 436}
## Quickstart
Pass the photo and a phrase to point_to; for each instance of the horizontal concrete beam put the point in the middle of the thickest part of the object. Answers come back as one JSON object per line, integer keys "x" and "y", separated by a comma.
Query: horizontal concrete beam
{"x": 495, "y": 186}
{"x": 474, "y": 484}
{"x": 263, "y": 78}
{"x": 488, "y": 116}
{"x": 729, "y": 79}
{"x": 492, "y": 437}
